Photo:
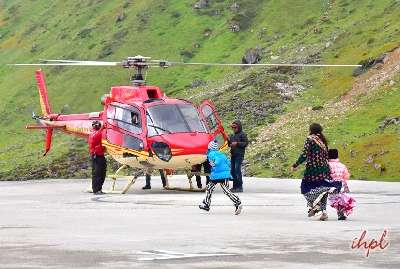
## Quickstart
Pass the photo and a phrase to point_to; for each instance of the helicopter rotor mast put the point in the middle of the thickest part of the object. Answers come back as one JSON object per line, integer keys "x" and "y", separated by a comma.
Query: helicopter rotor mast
{"x": 140, "y": 63}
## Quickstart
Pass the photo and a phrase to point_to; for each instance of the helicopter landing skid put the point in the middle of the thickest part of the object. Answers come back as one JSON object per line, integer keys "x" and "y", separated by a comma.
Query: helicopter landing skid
{"x": 131, "y": 180}
{"x": 184, "y": 189}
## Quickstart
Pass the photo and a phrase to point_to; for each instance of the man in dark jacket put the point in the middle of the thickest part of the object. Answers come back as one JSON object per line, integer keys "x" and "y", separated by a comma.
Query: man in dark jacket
{"x": 238, "y": 143}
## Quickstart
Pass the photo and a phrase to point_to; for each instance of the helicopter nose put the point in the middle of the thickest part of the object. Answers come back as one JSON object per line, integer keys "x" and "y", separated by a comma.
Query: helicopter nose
{"x": 185, "y": 143}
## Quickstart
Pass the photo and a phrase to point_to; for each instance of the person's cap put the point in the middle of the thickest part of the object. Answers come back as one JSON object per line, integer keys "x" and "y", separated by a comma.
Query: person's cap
{"x": 213, "y": 145}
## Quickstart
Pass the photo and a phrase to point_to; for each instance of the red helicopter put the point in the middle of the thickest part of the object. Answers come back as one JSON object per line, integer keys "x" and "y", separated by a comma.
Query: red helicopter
{"x": 142, "y": 127}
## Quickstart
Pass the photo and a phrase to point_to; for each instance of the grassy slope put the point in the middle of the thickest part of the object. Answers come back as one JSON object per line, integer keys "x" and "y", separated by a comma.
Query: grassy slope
{"x": 360, "y": 133}
{"x": 33, "y": 30}
{"x": 372, "y": 30}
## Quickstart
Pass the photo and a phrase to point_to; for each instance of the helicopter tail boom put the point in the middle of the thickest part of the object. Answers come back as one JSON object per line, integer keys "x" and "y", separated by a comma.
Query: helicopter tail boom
{"x": 43, "y": 97}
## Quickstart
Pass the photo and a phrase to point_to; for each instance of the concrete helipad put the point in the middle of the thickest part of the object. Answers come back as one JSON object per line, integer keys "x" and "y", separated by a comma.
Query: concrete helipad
{"x": 54, "y": 224}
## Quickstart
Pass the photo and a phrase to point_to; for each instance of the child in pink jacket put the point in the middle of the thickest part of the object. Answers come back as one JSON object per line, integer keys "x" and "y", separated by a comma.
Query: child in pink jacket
{"x": 342, "y": 202}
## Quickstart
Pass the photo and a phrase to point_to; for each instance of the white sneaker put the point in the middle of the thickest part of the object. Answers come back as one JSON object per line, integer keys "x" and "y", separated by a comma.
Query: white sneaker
{"x": 238, "y": 209}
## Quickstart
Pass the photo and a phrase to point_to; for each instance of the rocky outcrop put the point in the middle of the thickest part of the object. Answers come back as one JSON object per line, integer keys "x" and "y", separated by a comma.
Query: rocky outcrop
{"x": 120, "y": 18}
{"x": 201, "y": 4}
{"x": 389, "y": 121}
{"x": 234, "y": 7}
{"x": 234, "y": 26}
{"x": 369, "y": 63}
{"x": 197, "y": 82}
{"x": 380, "y": 70}
{"x": 252, "y": 56}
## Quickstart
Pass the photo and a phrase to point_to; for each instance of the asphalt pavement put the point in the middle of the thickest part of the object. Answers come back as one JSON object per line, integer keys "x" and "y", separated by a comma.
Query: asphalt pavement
{"x": 56, "y": 224}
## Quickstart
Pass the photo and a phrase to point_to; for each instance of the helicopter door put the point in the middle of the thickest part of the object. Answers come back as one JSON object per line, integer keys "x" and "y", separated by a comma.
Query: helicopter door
{"x": 125, "y": 126}
{"x": 212, "y": 122}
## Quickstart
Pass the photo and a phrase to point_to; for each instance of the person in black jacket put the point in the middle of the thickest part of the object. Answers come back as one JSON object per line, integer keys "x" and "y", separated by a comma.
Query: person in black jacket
{"x": 238, "y": 143}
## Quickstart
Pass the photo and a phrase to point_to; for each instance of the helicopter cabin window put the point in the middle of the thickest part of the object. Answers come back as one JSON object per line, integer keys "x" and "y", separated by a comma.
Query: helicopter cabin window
{"x": 211, "y": 119}
{"x": 175, "y": 118}
{"x": 125, "y": 118}
{"x": 110, "y": 114}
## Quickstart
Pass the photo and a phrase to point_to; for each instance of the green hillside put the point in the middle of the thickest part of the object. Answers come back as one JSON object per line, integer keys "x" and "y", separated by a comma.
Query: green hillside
{"x": 276, "y": 105}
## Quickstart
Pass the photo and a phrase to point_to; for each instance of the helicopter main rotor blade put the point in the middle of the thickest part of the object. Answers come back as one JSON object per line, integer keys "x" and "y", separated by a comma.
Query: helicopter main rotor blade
{"x": 145, "y": 62}
{"x": 288, "y": 65}
{"x": 76, "y": 61}
{"x": 61, "y": 61}
{"x": 72, "y": 64}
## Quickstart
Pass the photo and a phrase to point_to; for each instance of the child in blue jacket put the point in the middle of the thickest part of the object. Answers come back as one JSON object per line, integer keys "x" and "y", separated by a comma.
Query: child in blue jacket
{"x": 220, "y": 173}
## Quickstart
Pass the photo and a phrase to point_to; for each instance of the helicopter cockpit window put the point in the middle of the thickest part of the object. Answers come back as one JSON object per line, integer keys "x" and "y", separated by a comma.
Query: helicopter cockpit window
{"x": 181, "y": 118}
{"x": 127, "y": 119}
{"x": 110, "y": 113}
{"x": 210, "y": 117}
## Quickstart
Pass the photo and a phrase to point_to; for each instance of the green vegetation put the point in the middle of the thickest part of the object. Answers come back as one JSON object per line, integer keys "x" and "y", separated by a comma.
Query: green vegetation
{"x": 340, "y": 31}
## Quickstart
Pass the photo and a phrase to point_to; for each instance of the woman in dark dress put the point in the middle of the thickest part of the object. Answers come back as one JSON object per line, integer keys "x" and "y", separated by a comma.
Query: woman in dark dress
{"x": 317, "y": 182}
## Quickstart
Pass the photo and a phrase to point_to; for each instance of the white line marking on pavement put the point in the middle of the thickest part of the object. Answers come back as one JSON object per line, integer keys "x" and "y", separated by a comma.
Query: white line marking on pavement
{"x": 170, "y": 255}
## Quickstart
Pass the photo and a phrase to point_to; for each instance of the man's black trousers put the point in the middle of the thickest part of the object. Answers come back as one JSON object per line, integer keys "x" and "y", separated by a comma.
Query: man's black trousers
{"x": 99, "y": 167}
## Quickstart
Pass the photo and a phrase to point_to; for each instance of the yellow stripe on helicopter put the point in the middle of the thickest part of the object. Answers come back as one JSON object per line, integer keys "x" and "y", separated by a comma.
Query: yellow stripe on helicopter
{"x": 224, "y": 146}
{"x": 119, "y": 149}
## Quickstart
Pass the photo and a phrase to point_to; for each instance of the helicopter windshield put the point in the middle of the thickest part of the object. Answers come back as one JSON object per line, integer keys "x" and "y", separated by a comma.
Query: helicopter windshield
{"x": 176, "y": 118}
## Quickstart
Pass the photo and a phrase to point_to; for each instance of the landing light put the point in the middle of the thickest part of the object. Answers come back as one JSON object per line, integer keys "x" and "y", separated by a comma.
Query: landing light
{"x": 162, "y": 151}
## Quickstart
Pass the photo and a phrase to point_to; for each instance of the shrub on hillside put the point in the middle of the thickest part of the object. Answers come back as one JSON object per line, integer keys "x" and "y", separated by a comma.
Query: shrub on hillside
{"x": 84, "y": 33}
{"x": 106, "y": 51}
{"x": 120, "y": 34}
{"x": 187, "y": 54}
